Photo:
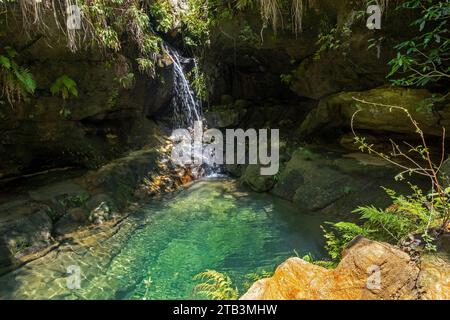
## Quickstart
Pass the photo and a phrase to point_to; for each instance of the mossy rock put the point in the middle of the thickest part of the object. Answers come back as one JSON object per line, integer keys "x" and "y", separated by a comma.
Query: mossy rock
{"x": 252, "y": 177}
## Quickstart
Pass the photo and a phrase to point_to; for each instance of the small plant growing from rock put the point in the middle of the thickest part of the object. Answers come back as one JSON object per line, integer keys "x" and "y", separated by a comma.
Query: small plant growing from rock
{"x": 65, "y": 87}
{"x": 413, "y": 222}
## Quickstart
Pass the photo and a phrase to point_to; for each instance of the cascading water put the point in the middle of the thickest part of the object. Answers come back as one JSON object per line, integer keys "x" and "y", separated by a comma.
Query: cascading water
{"x": 186, "y": 107}
{"x": 187, "y": 110}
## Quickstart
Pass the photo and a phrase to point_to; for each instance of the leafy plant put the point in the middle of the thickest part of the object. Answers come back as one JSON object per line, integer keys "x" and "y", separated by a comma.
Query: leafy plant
{"x": 104, "y": 24}
{"x": 216, "y": 286}
{"x": 424, "y": 58}
{"x": 126, "y": 81}
{"x": 256, "y": 276}
{"x": 247, "y": 35}
{"x": 412, "y": 220}
{"x": 414, "y": 160}
{"x": 286, "y": 78}
{"x": 17, "y": 82}
{"x": 199, "y": 82}
{"x": 65, "y": 87}
{"x": 197, "y": 21}
{"x": 334, "y": 39}
{"x": 339, "y": 235}
{"x": 162, "y": 11}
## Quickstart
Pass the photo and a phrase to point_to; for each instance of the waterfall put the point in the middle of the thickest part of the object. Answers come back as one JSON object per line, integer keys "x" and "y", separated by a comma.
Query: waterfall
{"x": 186, "y": 107}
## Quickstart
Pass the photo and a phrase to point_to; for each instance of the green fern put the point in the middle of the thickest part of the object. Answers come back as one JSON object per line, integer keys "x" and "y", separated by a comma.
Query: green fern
{"x": 255, "y": 276}
{"x": 410, "y": 215}
{"x": 216, "y": 286}
{"x": 17, "y": 82}
{"x": 64, "y": 86}
{"x": 340, "y": 234}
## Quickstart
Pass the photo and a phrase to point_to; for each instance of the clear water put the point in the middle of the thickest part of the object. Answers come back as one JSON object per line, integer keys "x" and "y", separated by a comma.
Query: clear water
{"x": 211, "y": 225}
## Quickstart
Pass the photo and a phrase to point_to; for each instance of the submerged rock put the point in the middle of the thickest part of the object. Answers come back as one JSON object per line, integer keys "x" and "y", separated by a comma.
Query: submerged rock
{"x": 368, "y": 270}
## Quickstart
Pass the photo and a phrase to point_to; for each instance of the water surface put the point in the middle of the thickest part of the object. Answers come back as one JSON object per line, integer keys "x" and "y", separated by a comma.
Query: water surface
{"x": 211, "y": 225}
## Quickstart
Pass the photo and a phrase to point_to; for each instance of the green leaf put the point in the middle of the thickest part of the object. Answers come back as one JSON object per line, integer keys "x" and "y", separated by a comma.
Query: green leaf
{"x": 5, "y": 62}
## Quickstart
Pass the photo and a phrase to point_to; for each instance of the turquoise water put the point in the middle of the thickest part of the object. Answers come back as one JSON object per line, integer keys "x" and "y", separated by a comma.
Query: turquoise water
{"x": 211, "y": 225}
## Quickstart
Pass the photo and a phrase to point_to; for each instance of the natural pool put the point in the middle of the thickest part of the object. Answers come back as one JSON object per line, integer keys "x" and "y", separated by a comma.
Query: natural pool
{"x": 155, "y": 253}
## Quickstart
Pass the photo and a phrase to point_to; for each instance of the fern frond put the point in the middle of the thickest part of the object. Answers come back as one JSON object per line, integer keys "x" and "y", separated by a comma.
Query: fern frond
{"x": 215, "y": 286}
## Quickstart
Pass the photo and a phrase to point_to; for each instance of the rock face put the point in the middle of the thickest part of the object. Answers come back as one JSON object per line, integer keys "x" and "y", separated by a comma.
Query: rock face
{"x": 368, "y": 270}
{"x": 247, "y": 59}
{"x": 34, "y": 218}
{"x": 336, "y": 111}
{"x": 434, "y": 278}
{"x": 106, "y": 120}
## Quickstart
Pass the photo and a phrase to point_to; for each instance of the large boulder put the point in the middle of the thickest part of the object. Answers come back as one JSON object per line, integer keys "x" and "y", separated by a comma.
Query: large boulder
{"x": 336, "y": 111}
{"x": 368, "y": 270}
{"x": 320, "y": 180}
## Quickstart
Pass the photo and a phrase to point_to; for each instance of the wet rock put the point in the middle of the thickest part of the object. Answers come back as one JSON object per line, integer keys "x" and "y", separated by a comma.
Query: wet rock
{"x": 222, "y": 118}
{"x": 257, "y": 182}
{"x": 30, "y": 219}
{"x": 235, "y": 170}
{"x": 98, "y": 199}
{"x": 242, "y": 104}
{"x": 25, "y": 227}
{"x": 78, "y": 214}
{"x": 119, "y": 178}
{"x": 101, "y": 214}
{"x": 326, "y": 181}
{"x": 368, "y": 270}
{"x": 59, "y": 191}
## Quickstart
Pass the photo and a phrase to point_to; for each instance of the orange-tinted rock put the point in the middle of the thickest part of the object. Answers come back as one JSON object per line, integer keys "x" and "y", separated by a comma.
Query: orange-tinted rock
{"x": 368, "y": 270}
{"x": 434, "y": 279}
